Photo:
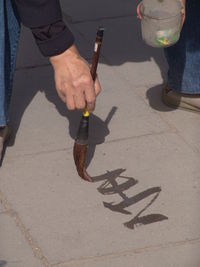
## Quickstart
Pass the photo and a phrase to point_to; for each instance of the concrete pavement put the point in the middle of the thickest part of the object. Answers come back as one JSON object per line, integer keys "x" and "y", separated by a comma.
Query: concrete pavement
{"x": 143, "y": 208}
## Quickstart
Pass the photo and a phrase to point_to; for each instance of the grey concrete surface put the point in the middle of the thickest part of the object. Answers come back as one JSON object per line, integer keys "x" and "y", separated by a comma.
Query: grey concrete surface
{"x": 183, "y": 256}
{"x": 143, "y": 208}
{"x": 14, "y": 251}
{"x": 78, "y": 12}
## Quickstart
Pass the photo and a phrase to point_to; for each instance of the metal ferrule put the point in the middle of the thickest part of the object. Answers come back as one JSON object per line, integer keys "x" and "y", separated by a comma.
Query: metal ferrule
{"x": 82, "y": 136}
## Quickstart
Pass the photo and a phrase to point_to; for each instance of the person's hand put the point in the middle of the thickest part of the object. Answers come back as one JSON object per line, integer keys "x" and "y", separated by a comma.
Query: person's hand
{"x": 73, "y": 80}
{"x": 183, "y": 11}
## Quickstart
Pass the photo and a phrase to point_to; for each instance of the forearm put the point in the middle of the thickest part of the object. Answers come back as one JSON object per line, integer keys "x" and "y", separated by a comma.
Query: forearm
{"x": 44, "y": 18}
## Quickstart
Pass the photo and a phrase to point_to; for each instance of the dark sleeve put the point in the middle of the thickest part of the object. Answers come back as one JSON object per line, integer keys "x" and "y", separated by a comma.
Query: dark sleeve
{"x": 44, "y": 17}
{"x": 53, "y": 39}
{"x": 37, "y": 13}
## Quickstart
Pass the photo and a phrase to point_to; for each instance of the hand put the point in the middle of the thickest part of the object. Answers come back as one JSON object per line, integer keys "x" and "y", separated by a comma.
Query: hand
{"x": 73, "y": 80}
{"x": 183, "y": 11}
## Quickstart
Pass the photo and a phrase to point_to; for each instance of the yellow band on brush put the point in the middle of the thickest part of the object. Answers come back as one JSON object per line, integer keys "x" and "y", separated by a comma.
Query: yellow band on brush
{"x": 86, "y": 113}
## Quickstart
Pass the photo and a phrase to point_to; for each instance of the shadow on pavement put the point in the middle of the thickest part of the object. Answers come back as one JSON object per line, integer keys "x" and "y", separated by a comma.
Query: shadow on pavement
{"x": 25, "y": 91}
{"x": 2, "y": 263}
{"x": 153, "y": 95}
{"x": 123, "y": 43}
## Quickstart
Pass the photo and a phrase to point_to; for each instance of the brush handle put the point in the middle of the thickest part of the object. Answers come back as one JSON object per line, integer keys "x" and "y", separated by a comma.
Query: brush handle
{"x": 95, "y": 58}
{"x": 96, "y": 54}
{"x": 82, "y": 136}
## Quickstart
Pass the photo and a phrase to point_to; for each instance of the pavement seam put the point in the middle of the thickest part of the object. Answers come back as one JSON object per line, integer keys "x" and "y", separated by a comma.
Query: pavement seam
{"x": 171, "y": 131}
{"x": 192, "y": 147}
{"x": 33, "y": 67}
{"x": 113, "y": 255}
{"x": 70, "y": 20}
{"x": 25, "y": 232}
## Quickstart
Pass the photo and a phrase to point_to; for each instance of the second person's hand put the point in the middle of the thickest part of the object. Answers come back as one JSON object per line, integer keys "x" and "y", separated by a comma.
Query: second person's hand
{"x": 73, "y": 80}
{"x": 183, "y": 11}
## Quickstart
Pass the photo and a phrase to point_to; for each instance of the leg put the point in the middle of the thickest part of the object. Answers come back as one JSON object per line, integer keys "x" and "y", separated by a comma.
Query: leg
{"x": 12, "y": 31}
{"x": 9, "y": 35}
{"x": 184, "y": 61}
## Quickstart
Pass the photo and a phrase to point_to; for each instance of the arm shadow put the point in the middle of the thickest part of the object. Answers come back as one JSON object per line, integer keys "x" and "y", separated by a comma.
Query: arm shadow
{"x": 122, "y": 43}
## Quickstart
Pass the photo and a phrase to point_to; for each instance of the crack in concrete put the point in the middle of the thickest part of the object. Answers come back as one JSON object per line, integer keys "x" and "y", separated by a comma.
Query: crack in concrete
{"x": 155, "y": 248}
{"x": 33, "y": 67}
{"x": 66, "y": 149}
{"x": 25, "y": 232}
{"x": 70, "y": 20}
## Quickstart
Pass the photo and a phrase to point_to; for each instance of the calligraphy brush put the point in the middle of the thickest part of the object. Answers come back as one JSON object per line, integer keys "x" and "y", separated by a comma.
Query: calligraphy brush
{"x": 81, "y": 142}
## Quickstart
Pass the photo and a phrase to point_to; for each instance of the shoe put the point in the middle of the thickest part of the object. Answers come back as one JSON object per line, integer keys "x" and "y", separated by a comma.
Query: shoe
{"x": 4, "y": 136}
{"x": 179, "y": 100}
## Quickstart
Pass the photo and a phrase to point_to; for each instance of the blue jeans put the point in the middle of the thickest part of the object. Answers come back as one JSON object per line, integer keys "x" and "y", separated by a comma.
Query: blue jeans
{"x": 9, "y": 35}
{"x": 184, "y": 57}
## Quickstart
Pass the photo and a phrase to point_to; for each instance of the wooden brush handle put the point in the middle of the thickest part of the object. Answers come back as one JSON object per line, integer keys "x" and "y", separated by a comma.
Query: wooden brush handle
{"x": 97, "y": 49}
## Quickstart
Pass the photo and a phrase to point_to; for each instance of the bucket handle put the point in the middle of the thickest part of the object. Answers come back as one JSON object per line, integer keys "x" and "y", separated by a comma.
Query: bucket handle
{"x": 139, "y": 11}
{"x": 139, "y": 15}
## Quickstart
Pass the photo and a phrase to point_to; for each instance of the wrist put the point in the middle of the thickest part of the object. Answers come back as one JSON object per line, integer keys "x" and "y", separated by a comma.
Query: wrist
{"x": 70, "y": 53}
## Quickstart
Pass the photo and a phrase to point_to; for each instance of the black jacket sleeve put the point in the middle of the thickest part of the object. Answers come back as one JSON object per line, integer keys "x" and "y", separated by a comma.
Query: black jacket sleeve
{"x": 53, "y": 39}
{"x": 44, "y": 18}
{"x": 37, "y": 13}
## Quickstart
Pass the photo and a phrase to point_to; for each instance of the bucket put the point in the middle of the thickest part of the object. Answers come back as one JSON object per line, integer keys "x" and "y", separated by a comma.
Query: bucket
{"x": 161, "y": 21}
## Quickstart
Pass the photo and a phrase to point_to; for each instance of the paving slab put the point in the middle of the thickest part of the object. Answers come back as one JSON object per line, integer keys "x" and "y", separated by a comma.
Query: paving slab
{"x": 155, "y": 201}
{"x": 41, "y": 122}
{"x": 172, "y": 255}
{"x": 1, "y": 209}
{"x": 187, "y": 125}
{"x": 77, "y": 11}
{"x": 14, "y": 250}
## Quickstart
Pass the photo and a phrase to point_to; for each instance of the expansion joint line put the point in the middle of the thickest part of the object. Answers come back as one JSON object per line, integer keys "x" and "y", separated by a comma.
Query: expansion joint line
{"x": 32, "y": 243}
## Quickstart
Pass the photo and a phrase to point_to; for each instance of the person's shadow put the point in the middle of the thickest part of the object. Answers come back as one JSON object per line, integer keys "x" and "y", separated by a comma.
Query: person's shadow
{"x": 122, "y": 43}
{"x": 2, "y": 263}
{"x": 26, "y": 87}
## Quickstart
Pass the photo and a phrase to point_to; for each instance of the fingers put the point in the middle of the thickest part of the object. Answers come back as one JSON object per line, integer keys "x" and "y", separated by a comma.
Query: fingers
{"x": 81, "y": 96}
{"x": 97, "y": 86}
{"x": 62, "y": 96}
{"x": 183, "y": 12}
{"x": 70, "y": 101}
{"x": 91, "y": 93}
{"x": 90, "y": 97}
{"x": 79, "y": 100}
{"x": 73, "y": 80}
{"x": 66, "y": 96}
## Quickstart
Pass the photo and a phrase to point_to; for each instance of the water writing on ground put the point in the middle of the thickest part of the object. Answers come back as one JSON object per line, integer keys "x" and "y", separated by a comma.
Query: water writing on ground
{"x": 111, "y": 185}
